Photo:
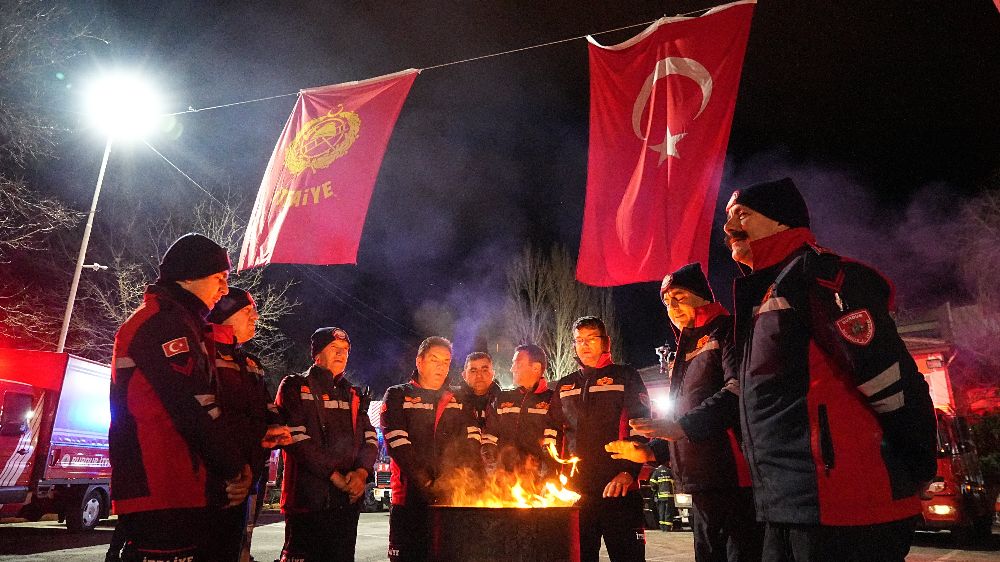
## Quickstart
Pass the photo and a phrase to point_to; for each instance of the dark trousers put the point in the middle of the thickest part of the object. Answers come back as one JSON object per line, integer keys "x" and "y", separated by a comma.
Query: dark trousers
{"x": 885, "y": 542}
{"x": 665, "y": 512}
{"x": 409, "y": 533}
{"x": 619, "y": 521}
{"x": 166, "y": 535}
{"x": 227, "y": 533}
{"x": 321, "y": 536}
{"x": 725, "y": 527}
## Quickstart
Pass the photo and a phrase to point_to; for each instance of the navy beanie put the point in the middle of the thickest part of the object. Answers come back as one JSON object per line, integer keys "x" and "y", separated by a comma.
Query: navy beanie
{"x": 689, "y": 277}
{"x": 229, "y": 304}
{"x": 324, "y": 337}
{"x": 777, "y": 200}
{"x": 193, "y": 256}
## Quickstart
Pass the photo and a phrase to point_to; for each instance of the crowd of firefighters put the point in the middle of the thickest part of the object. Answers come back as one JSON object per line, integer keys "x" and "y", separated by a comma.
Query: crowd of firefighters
{"x": 800, "y": 425}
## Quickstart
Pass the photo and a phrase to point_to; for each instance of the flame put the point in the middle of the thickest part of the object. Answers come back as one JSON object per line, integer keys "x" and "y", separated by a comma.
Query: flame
{"x": 570, "y": 461}
{"x": 522, "y": 488}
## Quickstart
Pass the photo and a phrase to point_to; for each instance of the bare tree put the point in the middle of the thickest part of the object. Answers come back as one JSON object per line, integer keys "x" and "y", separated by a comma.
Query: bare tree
{"x": 977, "y": 329}
{"x": 35, "y": 37}
{"x": 133, "y": 261}
{"x": 545, "y": 299}
{"x": 27, "y": 218}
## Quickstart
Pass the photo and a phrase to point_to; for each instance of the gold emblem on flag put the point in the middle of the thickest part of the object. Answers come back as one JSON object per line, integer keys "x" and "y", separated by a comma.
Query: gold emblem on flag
{"x": 322, "y": 140}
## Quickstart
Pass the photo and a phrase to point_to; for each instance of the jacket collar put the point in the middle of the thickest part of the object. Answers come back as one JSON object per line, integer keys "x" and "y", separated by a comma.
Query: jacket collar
{"x": 540, "y": 387}
{"x": 708, "y": 312}
{"x": 324, "y": 374}
{"x": 603, "y": 361}
{"x": 182, "y": 297}
{"x": 773, "y": 249}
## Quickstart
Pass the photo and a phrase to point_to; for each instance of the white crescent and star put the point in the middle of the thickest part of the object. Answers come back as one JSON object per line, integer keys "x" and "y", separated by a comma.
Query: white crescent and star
{"x": 680, "y": 66}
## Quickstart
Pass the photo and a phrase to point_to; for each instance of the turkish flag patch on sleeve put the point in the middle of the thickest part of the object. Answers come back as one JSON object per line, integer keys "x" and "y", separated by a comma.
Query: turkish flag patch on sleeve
{"x": 176, "y": 347}
{"x": 857, "y": 327}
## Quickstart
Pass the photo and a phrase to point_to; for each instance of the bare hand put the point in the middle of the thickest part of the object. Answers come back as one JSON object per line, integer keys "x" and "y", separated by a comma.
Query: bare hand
{"x": 630, "y": 451}
{"x": 238, "y": 488}
{"x": 661, "y": 428}
{"x": 276, "y": 436}
{"x": 618, "y": 487}
{"x": 356, "y": 482}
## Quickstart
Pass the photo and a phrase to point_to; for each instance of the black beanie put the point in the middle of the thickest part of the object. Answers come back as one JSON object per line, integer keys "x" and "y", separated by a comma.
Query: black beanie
{"x": 193, "y": 256}
{"x": 689, "y": 277}
{"x": 324, "y": 337}
{"x": 777, "y": 200}
{"x": 230, "y": 304}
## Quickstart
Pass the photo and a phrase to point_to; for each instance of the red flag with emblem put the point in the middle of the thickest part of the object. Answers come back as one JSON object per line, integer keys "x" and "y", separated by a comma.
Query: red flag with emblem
{"x": 661, "y": 106}
{"x": 314, "y": 197}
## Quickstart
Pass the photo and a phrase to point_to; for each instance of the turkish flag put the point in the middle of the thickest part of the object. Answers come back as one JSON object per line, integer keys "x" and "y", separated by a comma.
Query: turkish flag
{"x": 314, "y": 197}
{"x": 661, "y": 106}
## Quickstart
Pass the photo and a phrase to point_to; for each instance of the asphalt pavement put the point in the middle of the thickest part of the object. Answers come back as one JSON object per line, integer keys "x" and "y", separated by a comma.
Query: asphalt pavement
{"x": 49, "y": 540}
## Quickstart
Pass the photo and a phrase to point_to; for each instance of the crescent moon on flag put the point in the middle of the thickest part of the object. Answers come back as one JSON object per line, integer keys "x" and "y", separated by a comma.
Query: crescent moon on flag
{"x": 665, "y": 67}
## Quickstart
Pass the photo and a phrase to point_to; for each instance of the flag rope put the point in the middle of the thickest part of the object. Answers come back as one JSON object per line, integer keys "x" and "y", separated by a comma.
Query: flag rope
{"x": 191, "y": 109}
{"x": 324, "y": 283}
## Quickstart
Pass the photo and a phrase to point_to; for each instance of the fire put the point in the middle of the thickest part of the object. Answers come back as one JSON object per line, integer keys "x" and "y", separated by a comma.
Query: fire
{"x": 522, "y": 488}
{"x": 570, "y": 461}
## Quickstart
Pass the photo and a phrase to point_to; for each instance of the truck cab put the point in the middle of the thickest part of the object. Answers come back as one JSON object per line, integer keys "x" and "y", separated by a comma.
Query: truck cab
{"x": 54, "y": 418}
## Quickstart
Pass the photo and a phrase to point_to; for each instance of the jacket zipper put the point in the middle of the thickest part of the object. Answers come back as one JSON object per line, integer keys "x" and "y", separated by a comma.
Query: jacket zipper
{"x": 825, "y": 440}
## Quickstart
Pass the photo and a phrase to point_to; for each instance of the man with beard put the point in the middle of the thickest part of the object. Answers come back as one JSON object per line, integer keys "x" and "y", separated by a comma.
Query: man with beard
{"x": 334, "y": 447}
{"x": 428, "y": 431}
{"x": 173, "y": 463}
{"x": 591, "y": 407}
{"x": 837, "y": 422}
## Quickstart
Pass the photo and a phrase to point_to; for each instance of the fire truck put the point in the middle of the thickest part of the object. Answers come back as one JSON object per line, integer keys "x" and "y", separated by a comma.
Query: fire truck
{"x": 54, "y": 419}
{"x": 379, "y": 494}
{"x": 958, "y": 497}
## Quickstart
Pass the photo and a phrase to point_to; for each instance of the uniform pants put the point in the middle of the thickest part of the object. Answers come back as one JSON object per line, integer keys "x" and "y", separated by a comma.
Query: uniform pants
{"x": 409, "y": 533}
{"x": 665, "y": 512}
{"x": 619, "y": 521}
{"x": 885, "y": 542}
{"x": 321, "y": 536}
{"x": 227, "y": 533}
{"x": 166, "y": 535}
{"x": 725, "y": 527}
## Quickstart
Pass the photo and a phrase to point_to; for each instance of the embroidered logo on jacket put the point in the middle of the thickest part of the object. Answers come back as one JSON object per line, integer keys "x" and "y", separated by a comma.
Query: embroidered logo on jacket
{"x": 176, "y": 347}
{"x": 412, "y": 399}
{"x": 701, "y": 343}
{"x": 304, "y": 389}
{"x": 506, "y": 405}
{"x": 542, "y": 406}
{"x": 604, "y": 381}
{"x": 566, "y": 387}
{"x": 857, "y": 327}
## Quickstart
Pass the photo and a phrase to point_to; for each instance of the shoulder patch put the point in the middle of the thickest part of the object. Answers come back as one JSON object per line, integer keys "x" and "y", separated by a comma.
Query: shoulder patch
{"x": 857, "y": 327}
{"x": 176, "y": 347}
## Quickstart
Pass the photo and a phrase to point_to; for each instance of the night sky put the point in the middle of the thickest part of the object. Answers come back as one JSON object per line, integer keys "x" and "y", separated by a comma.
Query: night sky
{"x": 885, "y": 114}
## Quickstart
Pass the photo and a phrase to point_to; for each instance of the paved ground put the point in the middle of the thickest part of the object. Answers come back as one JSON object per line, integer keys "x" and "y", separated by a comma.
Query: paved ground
{"x": 48, "y": 540}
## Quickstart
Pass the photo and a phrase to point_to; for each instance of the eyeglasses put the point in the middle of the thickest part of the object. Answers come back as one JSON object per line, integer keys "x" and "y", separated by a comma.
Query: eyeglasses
{"x": 588, "y": 340}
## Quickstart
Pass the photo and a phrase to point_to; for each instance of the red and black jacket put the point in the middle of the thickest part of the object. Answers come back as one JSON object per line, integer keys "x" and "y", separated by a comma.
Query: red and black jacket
{"x": 242, "y": 396}
{"x": 331, "y": 432}
{"x": 427, "y": 433}
{"x": 705, "y": 397}
{"x": 591, "y": 407}
{"x": 168, "y": 446}
{"x": 479, "y": 406}
{"x": 838, "y": 424}
{"x": 519, "y": 418}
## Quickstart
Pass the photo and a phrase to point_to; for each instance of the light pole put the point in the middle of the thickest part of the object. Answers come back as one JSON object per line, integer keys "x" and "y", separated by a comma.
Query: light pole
{"x": 122, "y": 106}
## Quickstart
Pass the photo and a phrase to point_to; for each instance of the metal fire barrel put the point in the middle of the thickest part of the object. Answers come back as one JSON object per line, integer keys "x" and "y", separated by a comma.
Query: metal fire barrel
{"x": 505, "y": 534}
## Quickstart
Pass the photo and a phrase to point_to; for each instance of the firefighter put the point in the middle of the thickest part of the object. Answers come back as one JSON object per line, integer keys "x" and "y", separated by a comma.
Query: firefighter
{"x": 333, "y": 450}
{"x": 588, "y": 407}
{"x": 249, "y": 416}
{"x": 518, "y": 428}
{"x": 479, "y": 387}
{"x": 661, "y": 483}
{"x": 838, "y": 424}
{"x": 173, "y": 463}
{"x": 704, "y": 453}
{"x": 428, "y": 431}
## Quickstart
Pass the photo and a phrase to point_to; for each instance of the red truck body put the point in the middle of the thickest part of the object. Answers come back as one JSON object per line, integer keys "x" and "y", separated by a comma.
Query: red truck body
{"x": 54, "y": 418}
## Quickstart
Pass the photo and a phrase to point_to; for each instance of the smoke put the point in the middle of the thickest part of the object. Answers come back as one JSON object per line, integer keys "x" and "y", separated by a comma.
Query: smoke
{"x": 911, "y": 240}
